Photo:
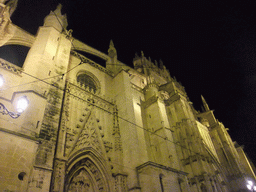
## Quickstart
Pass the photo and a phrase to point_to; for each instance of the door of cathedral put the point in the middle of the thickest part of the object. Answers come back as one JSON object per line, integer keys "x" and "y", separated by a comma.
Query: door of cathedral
{"x": 86, "y": 176}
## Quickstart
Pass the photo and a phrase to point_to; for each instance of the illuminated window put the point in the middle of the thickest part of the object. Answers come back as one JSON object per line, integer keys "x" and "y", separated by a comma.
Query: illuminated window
{"x": 86, "y": 81}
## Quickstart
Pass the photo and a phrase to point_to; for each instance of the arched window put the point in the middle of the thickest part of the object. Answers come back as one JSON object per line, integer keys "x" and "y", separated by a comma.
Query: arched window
{"x": 86, "y": 81}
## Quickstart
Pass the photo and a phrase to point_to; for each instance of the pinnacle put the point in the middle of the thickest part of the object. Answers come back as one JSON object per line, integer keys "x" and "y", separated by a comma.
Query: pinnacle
{"x": 111, "y": 44}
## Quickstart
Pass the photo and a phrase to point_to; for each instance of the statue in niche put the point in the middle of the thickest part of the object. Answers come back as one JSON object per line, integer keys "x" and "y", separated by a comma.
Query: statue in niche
{"x": 81, "y": 183}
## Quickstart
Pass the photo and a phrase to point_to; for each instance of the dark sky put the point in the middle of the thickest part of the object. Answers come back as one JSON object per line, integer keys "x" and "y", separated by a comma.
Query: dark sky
{"x": 209, "y": 46}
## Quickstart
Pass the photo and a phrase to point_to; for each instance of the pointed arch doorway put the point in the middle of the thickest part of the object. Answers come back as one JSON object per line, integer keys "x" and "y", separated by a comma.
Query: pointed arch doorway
{"x": 87, "y": 174}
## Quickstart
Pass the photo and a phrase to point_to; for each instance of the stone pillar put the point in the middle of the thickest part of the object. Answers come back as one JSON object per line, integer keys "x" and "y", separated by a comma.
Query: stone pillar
{"x": 58, "y": 176}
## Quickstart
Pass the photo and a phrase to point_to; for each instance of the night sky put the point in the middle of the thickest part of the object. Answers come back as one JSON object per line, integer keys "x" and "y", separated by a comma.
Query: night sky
{"x": 209, "y": 46}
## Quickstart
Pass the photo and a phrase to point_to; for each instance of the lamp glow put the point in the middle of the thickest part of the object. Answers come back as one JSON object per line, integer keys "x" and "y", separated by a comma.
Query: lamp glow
{"x": 22, "y": 104}
{"x": 1, "y": 80}
{"x": 249, "y": 186}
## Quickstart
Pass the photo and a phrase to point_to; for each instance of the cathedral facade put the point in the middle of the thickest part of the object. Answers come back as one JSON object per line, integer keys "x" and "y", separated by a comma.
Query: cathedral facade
{"x": 110, "y": 129}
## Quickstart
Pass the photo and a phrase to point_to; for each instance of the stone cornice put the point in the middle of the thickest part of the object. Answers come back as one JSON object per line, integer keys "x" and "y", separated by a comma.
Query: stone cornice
{"x": 156, "y": 165}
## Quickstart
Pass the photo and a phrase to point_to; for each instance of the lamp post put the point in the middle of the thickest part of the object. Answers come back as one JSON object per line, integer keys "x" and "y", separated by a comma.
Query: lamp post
{"x": 22, "y": 104}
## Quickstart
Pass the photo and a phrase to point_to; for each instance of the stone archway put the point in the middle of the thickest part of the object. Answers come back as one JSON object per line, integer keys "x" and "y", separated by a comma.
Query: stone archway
{"x": 86, "y": 176}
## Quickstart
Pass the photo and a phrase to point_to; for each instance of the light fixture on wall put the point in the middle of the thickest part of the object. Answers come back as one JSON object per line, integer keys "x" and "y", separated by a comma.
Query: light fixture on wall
{"x": 22, "y": 104}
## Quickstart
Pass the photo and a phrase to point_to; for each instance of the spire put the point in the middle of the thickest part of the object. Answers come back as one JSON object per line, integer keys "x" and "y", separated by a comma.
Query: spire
{"x": 112, "y": 50}
{"x": 205, "y": 105}
{"x": 112, "y": 62}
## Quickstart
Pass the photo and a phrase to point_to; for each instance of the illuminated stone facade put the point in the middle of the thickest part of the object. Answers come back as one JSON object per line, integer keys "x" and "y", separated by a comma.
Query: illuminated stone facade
{"x": 112, "y": 129}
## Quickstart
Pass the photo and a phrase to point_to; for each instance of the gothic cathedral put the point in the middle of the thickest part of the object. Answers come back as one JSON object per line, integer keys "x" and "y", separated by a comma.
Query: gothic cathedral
{"x": 104, "y": 128}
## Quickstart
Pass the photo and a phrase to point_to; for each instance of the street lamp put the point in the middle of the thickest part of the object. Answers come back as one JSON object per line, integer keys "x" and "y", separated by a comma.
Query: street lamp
{"x": 22, "y": 104}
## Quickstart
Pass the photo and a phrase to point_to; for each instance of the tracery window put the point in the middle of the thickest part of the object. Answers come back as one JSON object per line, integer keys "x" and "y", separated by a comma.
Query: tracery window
{"x": 86, "y": 81}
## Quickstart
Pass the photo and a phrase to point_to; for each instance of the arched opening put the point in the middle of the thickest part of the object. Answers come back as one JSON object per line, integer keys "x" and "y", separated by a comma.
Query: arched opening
{"x": 15, "y": 54}
{"x": 85, "y": 173}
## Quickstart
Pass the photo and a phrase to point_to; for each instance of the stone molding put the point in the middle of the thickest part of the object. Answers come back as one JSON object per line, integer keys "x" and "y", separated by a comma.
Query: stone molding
{"x": 20, "y": 135}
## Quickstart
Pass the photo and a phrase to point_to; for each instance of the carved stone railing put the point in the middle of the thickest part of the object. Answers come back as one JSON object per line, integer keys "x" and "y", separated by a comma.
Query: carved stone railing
{"x": 10, "y": 67}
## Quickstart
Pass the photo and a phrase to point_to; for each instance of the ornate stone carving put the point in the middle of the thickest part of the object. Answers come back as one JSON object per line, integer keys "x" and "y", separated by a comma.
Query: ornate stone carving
{"x": 116, "y": 131}
{"x": 120, "y": 182}
{"x": 81, "y": 183}
{"x": 10, "y": 67}
{"x": 108, "y": 145}
{"x": 88, "y": 137}
{"x": 86, "y": 177}
{"x": 164, "y": 95}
